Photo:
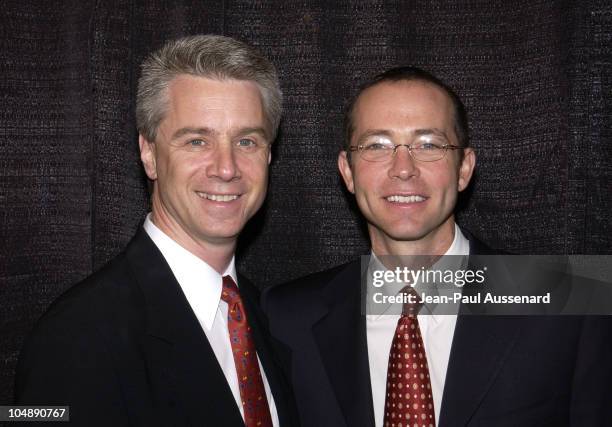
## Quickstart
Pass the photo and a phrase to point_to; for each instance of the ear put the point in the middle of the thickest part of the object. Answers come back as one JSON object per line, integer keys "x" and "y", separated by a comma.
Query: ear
{"x": 269, "y": 156}
{"x": 147, "y": 156}
{"x": 466, "y": 168}
{"x": 344, "y": 167}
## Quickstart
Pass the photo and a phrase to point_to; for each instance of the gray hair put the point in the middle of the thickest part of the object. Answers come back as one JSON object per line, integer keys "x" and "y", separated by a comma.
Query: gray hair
{"x": 210, "y": 56}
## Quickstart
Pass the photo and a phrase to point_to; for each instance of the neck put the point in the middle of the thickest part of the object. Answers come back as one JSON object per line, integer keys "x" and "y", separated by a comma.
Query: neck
{"x": 217, "y": 254}
{"x": 437, "y": 242}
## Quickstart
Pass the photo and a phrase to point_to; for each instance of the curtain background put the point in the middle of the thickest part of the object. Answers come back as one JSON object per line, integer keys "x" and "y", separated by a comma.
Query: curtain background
{"x": 535, "y": 75}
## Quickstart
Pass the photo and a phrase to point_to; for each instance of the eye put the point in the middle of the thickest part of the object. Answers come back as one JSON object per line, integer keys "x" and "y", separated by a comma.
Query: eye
{"x": 429, "y": 143}
{"x": 377, "y": 146}
{"x": 196, "y": 142}
{"x": 428, "y": 146}
{"x": 247, "y": 143}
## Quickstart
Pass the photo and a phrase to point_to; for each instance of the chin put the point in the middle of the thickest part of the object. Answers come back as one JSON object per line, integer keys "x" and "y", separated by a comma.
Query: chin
{"x": 407, "y": 237}
{"x": 407, "y": 233}
{"x": 221, "y": 233}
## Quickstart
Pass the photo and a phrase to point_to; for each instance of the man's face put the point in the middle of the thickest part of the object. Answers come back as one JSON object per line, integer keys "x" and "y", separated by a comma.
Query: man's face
{"x": 401, "y": 198}
{"x": 209, "y": 162}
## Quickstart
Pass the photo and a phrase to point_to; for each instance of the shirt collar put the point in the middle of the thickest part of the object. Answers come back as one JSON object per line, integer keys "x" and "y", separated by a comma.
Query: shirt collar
{"x": 200, "y": 283}
{"x": 459, "y": 246}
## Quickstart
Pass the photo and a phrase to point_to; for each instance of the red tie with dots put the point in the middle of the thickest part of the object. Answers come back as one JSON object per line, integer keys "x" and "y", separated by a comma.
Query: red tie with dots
{"x": 408, "y": 401}
{"x": 252, "y": 391}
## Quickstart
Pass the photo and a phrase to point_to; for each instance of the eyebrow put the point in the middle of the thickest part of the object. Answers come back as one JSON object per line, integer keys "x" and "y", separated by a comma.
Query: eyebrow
{"x": 373, "y": 132}
{"x": 193, "y": 131}
{"x": 431, "y": 131}
{"x": 205, "y": 131}
{"x": 388, "y": 134}
{"x": 249, "y": 131}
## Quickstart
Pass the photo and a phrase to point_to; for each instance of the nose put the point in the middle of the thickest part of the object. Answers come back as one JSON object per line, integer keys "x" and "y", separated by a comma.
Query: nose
{"x": 402, "y": 164}
{"x": 222, "y": 163}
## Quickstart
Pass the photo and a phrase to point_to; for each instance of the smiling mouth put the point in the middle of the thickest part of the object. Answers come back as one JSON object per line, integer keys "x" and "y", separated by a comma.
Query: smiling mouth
{"x": 218, "y": 197}
{"x": 396, "y": 198}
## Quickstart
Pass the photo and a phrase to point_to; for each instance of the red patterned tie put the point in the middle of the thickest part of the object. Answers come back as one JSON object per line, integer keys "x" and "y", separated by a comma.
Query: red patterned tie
{"x": 252, "y": 392}
{"x": 408, "y": 399}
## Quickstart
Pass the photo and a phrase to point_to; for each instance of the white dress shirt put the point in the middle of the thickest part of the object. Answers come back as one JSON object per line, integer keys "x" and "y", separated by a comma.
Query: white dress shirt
{"x": 437, "y": 332}
{"x": 202, "y": 286}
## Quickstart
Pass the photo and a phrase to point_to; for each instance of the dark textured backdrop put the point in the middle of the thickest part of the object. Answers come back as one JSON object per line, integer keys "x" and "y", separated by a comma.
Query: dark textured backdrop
{"x": 536, "y": 76}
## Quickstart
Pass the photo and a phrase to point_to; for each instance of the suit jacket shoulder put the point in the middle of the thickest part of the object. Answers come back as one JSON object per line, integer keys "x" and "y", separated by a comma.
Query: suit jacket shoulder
{"x": 300, "y": 294}
{"x": 67, "y": 358}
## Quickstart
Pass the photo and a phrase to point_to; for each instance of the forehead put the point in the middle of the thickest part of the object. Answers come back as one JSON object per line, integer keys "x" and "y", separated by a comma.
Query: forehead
{"x": 188, "y": 91}
{"x": 222, "y": 105}
{"x": 190, "y": 99}
{"x": 403, "y": 105}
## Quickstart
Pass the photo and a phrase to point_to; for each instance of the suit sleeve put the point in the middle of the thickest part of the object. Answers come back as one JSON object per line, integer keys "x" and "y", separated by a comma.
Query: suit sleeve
{"x": 66, "y": 363}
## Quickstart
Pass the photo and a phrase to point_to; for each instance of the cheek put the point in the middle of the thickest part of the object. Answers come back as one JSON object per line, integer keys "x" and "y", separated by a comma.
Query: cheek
{"x": 445, "y": 176}
{"x": 367, "y": 179}
{"x": 367, "y": 185}
{"x": 187, "y": 164}
{"x": 441, "y": 183}
{"x": 449, "y": 183}
{"x": 174, "y": 173}
{"x": 254, "y": 170}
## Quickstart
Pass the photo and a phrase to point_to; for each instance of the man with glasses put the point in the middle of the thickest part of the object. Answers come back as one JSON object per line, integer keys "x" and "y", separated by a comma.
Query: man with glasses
{"x": 405, "y": 158}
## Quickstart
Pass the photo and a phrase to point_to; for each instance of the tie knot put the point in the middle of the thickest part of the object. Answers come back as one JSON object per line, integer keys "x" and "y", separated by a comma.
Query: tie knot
{"x": 412, "y": 304}
{"x": 229, "y": 292}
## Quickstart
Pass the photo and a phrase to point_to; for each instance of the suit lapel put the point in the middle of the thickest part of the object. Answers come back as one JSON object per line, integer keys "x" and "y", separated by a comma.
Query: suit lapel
{"x": 341, "y": 337}
{"x": 182, "y": 366}
{"x": 479, "y": 349}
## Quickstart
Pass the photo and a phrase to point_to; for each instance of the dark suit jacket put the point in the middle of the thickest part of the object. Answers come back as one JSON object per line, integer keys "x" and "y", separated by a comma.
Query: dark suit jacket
{"x": 503, "y": 371}
{"x": 124, "y": 348}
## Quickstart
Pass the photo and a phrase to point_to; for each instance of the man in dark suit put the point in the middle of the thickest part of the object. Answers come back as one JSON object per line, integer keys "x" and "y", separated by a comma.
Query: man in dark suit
{"x": 168, "y": 333}
{"x": 406, "y": 158}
